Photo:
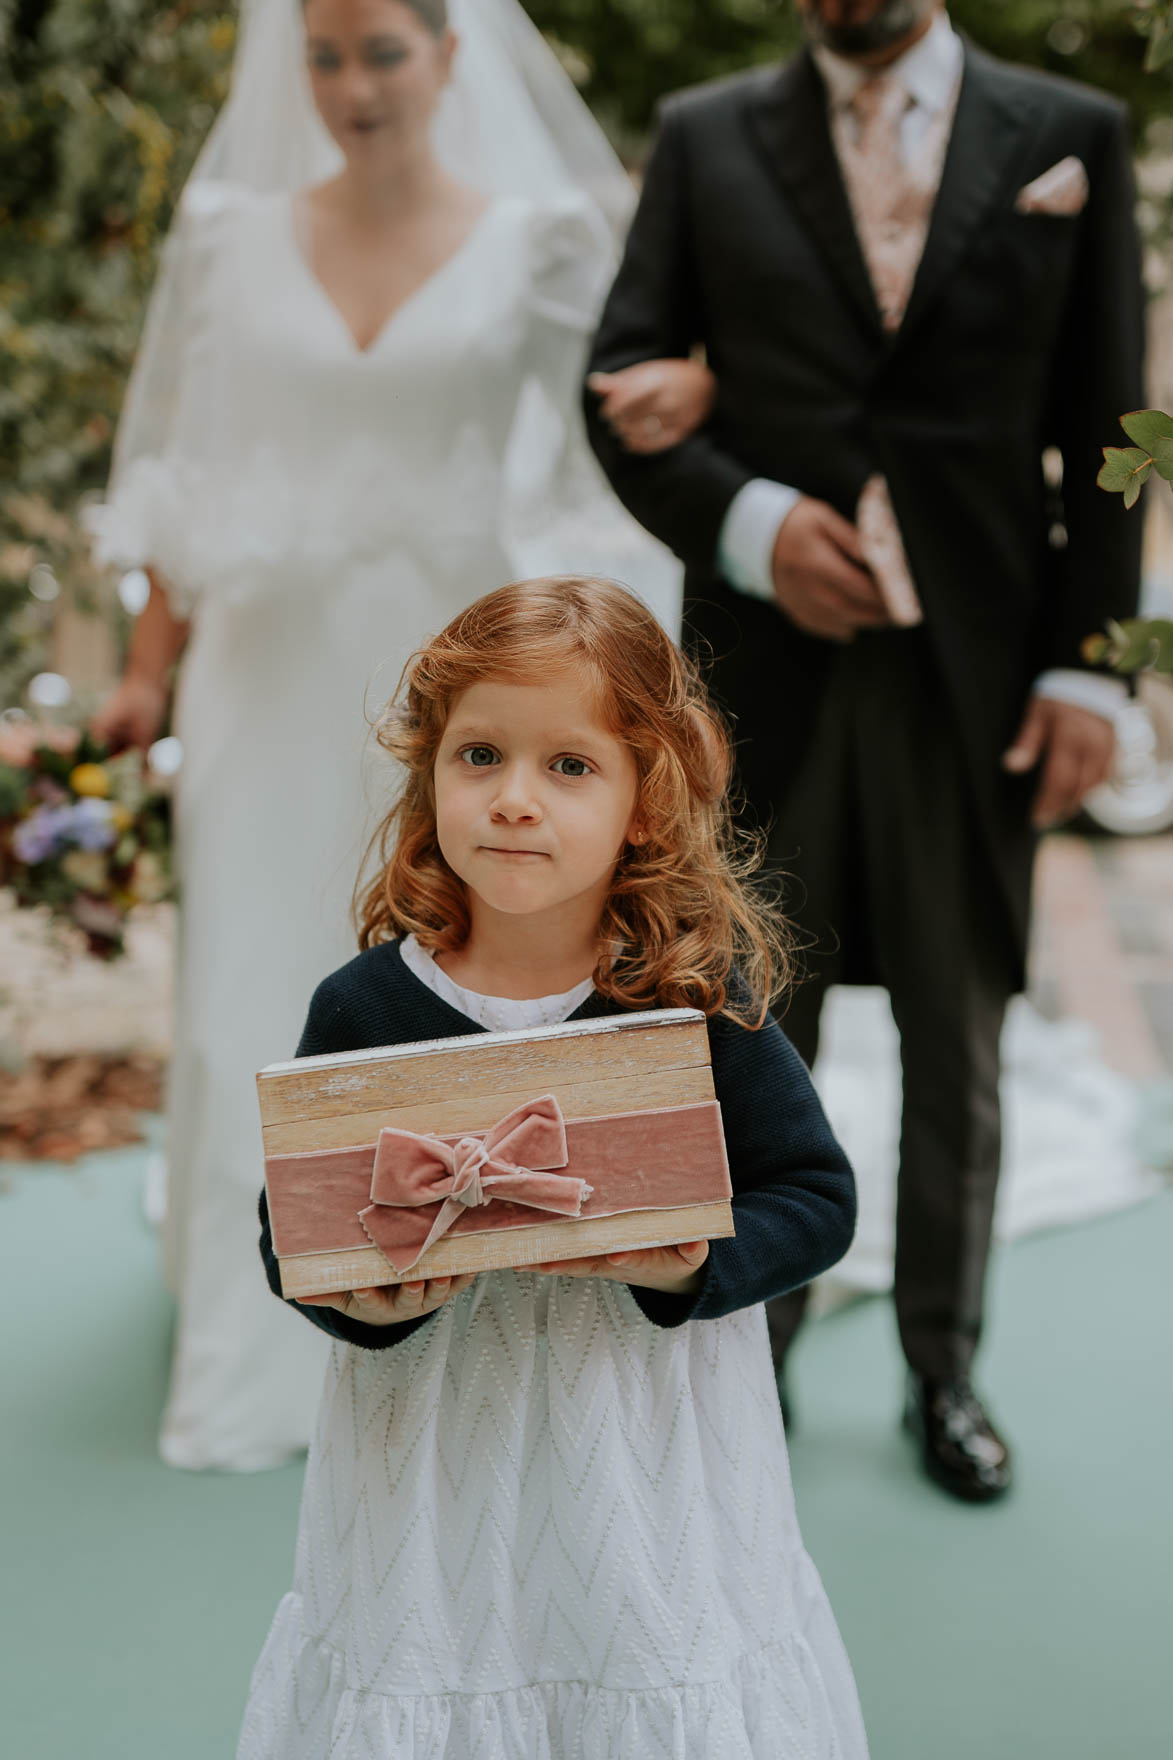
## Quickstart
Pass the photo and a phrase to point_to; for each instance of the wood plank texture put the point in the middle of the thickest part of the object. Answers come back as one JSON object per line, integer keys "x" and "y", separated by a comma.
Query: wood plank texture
{"x": 484, "y": 1064}
{"x": 452, "y": 1113}
{"x": 309, "y": 1274}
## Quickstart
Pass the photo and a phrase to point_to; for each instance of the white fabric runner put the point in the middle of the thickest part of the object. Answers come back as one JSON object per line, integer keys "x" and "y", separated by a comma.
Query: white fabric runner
{"x": 1068, "y": 1122}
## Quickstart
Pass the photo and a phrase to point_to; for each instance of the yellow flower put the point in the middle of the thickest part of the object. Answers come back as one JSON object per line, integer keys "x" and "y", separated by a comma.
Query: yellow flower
{"x": 121, "y": 816}
{"x": 90, "y": 779}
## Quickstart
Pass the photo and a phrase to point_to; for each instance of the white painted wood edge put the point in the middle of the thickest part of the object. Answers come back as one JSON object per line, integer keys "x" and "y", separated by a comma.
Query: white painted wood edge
{"x": 617, "y": 1023}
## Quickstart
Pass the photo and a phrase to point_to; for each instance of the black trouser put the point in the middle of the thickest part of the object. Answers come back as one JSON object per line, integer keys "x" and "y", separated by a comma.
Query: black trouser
{"x": 879, "y": 836}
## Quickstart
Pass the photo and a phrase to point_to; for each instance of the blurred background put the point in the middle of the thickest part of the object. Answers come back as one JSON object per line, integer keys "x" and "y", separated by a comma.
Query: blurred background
{"x": 103, "y": 106}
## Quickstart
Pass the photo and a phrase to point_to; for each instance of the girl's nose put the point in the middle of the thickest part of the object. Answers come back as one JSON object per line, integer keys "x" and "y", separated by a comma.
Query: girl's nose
{"x": 515, "y": 800}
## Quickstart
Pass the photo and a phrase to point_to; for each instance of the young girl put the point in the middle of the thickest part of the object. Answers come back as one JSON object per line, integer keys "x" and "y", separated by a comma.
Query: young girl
{"x": 547, "y": 1513}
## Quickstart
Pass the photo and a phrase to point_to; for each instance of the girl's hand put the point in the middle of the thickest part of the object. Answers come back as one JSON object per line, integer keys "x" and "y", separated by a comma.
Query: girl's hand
{"x": 655, "y": 404}
{"x": 676, "y": 1270}
{"x": 393, "y": 1303}
{"x": 133, "y": 715}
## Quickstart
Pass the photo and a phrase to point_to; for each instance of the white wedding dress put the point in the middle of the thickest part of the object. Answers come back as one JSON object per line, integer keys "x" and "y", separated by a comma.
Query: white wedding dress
{"x": 318, "y": 510}
{"x": 541, "y": 1528}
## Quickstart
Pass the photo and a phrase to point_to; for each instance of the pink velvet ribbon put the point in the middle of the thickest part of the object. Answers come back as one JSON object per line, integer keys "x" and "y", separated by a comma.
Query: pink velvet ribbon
{"x": 516, "y": 1161}
{"x": 656, "y": 1158}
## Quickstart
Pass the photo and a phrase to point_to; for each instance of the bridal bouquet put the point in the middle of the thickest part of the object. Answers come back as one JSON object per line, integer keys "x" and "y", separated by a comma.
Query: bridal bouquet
{"x": 81, "y": 832}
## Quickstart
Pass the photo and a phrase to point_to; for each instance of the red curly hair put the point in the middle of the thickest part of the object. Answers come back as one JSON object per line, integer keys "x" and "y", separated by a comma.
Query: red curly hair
{"x": 681, "y": 912}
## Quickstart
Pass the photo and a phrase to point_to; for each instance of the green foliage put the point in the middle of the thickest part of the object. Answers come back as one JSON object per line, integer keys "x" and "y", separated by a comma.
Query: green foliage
{"x": 1138, "y": 644}
{"x": 627, "y": 53}
{"x": 103, "y": 105}
{"x": 1126, "y": 468}
{"x": 1155, "y": 22}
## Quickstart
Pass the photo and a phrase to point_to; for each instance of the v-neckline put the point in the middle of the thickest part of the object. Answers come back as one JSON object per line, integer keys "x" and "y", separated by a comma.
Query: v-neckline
{"x": 391, "y": 321}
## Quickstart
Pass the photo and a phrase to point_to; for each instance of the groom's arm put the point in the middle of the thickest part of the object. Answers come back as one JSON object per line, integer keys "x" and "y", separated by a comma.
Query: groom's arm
{"x": 683, "y": 495}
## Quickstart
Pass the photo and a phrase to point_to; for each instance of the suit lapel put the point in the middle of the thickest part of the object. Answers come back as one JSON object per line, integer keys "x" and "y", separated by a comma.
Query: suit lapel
{"x": 990, "y": 133}
{"x": 789, "y": 119}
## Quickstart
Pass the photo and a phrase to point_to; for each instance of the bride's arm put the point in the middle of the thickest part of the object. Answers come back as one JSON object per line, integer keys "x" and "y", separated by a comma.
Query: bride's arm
{"x": 135, "y": 712}
{"x": 655, "y": 309}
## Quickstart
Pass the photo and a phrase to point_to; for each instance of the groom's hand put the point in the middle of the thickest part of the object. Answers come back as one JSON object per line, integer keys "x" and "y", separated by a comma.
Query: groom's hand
{"x": 821, "y": 580}
{"x": 1072, "y": 748}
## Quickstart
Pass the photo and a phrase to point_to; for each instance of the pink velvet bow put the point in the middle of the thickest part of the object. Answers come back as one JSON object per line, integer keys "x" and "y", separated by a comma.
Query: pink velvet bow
{"x": 514, "y": 1160}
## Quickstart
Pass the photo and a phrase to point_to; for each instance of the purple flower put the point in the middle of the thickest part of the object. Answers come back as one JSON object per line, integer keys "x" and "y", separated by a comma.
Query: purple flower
{"x": 91, "y": 824}
{"x": 38, "y": 837}
{"x": 87, "y": 824}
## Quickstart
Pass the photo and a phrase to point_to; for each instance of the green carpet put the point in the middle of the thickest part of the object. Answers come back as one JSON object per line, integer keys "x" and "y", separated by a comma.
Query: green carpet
{"x": 135, "y": 1598}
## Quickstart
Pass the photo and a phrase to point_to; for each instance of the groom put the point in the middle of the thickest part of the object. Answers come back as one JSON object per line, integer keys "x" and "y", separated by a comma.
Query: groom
{"x": 913, "y": 268}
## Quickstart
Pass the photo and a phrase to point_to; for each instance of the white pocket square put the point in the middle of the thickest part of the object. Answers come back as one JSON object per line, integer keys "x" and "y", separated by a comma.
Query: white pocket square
{"x": 1061, "y": 190}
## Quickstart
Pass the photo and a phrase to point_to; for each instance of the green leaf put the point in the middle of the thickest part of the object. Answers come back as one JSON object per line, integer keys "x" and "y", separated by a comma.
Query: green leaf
{"x": 1163, "y": 459}
{"x": 1137, "y": 644}
{"x": 1147, "y": 428}
{"x": 1160, "y": 45}
{"x": 1160, "y": 635}
{"x": 14, "y": 788}
{"x": 1124, "y": 468}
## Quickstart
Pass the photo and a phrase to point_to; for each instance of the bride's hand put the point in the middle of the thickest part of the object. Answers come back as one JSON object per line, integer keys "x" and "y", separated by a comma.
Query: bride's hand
{"x": 133, "y": 715}
{"x": 655, "y": 404}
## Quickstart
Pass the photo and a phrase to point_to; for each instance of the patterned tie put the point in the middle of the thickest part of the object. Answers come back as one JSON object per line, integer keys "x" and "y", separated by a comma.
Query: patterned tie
{"x": 883, "y": 193}
{"x": 892, "y": 203}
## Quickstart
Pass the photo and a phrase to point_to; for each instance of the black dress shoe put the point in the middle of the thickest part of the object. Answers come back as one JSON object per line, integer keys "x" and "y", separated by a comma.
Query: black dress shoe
{"x": 959, "y": 1446}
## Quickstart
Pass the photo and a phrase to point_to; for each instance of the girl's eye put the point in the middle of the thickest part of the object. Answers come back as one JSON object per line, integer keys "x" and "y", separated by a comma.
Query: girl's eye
{"x": 385, "y": 57}
{"x": 324, "y": 61}
{"x": 573, "y": 767}
{"x": 480, "y": 757}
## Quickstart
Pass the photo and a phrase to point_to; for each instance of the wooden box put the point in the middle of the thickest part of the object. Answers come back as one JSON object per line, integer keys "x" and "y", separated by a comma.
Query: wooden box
{"x": 643, "y": 1154}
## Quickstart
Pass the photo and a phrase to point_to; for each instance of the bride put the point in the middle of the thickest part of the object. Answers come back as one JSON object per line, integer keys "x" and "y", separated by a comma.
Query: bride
{"x": 354, "y": 411}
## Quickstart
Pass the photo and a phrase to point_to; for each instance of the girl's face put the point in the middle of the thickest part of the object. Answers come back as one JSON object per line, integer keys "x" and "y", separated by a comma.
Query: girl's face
{"x": 535, "y": 797}
{"x": 376, "y": 72}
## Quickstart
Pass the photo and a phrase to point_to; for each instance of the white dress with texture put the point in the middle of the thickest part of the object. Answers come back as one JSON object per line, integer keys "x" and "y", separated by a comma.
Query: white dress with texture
{"x": 542, "y": 1528}
{"x": 318, "y": 510}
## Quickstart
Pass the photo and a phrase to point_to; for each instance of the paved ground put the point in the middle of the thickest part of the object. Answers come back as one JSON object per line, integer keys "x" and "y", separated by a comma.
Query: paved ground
{"x": 1103, "y": 946}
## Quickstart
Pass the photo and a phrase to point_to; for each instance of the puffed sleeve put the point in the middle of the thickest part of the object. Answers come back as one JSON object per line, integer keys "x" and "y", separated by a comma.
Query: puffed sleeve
{"x": 161, "y": 427}
{"x": 562, "y": 515}
{"x": 572, "y": 260}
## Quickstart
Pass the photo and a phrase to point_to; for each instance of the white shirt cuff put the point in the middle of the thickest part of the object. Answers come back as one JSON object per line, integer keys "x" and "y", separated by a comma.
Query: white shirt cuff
{"x": 1084, "y": 690}
{"x": 745, "y": 549}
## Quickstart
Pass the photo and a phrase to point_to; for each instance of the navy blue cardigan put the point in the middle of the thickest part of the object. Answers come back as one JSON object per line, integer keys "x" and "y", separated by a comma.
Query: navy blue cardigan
{"x": 793, "y": 1189}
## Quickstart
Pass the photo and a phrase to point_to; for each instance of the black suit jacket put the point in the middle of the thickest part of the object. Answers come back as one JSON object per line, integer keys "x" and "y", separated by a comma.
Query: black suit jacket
{"x": 1022, "y": 332}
